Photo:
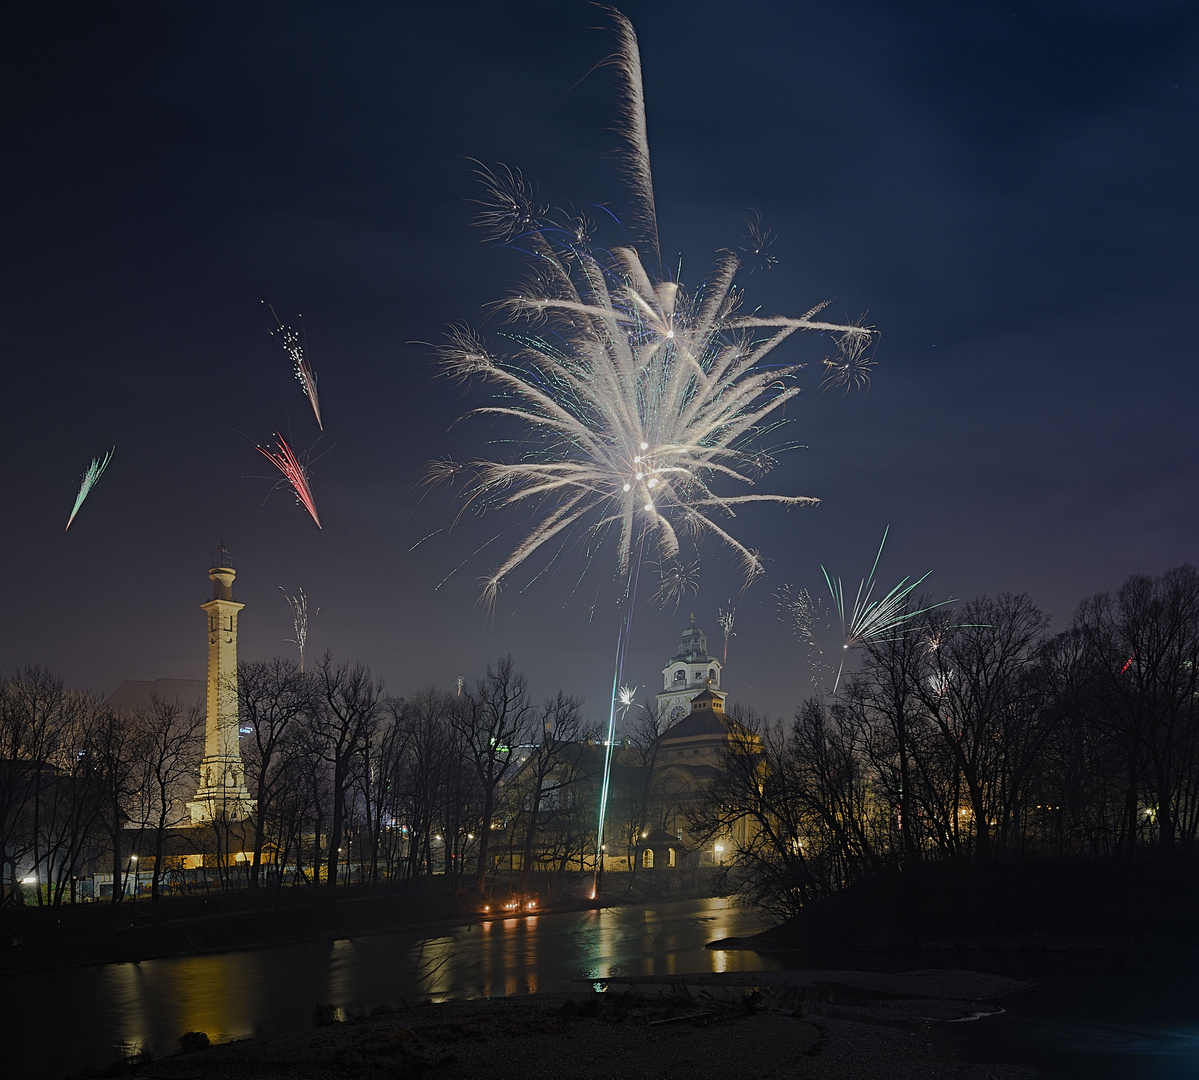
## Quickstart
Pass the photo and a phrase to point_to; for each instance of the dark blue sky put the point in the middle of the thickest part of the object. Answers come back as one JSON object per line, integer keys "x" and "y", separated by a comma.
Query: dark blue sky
{"x": 1008, "y": 189}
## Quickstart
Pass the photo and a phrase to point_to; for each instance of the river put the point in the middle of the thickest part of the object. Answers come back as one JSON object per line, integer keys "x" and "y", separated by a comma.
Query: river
{"x": 1073, "y": 1024}
{"x": 59, "y": 1022}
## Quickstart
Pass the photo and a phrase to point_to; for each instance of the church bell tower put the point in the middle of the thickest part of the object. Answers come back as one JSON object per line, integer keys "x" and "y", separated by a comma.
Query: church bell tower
{"x": 222, "y": 792}
{"x": 690, "y": 671}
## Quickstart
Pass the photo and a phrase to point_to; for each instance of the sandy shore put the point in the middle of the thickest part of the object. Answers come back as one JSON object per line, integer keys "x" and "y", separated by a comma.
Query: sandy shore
{"x": 823, "y": 1025}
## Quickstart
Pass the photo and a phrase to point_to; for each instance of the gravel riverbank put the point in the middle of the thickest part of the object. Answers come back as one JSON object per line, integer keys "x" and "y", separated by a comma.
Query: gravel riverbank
{"x": 806, "y": 1025}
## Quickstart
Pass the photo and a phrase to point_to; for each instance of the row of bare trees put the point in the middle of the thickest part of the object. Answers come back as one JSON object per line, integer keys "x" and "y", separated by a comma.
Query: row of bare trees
{"x": 348, "y": 782}
{"x": 81, "y": 783}
{"x": 975, "y": 733}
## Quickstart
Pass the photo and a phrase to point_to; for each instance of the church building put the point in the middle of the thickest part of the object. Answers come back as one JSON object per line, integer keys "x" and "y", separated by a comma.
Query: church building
{"x": 688, "y": 757}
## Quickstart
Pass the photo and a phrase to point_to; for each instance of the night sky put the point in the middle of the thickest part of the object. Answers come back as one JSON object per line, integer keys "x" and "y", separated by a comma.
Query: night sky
{"x": 1009, "y": 190}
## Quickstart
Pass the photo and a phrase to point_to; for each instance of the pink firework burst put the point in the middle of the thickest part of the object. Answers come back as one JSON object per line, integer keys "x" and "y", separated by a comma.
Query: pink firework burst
{"x": 294, "y": 473}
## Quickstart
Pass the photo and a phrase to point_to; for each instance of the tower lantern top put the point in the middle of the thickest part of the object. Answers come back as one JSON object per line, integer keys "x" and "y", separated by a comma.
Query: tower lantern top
{"x": 221, "y": 572}
{"x": 693, "y": 646}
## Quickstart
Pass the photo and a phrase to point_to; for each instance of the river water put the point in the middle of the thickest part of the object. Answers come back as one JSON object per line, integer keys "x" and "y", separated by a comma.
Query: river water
{"x": 1073, "y": 1024}
{"x": 60, "y": 1022}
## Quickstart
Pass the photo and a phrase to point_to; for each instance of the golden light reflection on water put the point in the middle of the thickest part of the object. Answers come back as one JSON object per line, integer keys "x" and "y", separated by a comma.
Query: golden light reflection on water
{"x": 189, "y": 993}
{"x": 127, "y": 988}
{"x": 234, "y": 995}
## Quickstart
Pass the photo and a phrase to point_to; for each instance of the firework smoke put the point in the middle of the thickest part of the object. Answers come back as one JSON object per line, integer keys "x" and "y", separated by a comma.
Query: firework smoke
{"x": 90, "y": 476}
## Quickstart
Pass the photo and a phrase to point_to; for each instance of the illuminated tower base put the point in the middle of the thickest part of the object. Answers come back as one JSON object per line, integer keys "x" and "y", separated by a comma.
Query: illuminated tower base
{"x": 222, "y": 794}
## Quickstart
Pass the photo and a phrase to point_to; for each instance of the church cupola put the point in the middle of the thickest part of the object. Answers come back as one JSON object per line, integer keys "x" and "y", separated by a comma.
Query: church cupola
{"x": 690, "y": 671}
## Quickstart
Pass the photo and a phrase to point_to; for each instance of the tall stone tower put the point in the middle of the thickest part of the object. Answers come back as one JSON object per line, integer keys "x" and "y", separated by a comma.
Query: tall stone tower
{"x": 222, "y": 792}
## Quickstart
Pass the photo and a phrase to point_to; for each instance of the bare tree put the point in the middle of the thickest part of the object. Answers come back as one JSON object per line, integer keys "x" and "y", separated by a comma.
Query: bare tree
{"x": 973, "y": 695}
{"x": 348, "y": 706}
{"x": 548, "y": 770}
{"x": 1145, "y": 645}
{"x": 423, "y": 775}
{"x": 490, "y": 720}
{"x": 272, "y": 696}
{"x": 169, "y": 743}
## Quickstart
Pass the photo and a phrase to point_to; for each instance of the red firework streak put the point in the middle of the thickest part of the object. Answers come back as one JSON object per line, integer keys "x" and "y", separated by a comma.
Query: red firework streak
{"x": 293, "y": 472}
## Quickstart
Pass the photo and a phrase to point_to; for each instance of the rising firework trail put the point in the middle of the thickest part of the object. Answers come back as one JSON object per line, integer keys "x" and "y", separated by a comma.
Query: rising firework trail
{"x": 306, "y": 377}
{"x": 726, "y": 618}
{"x": 299, "y": 619}
{"x": 90, "y": 476}
{"x": 293, "y": 472}
{"x": 873, "y": 620}
{"x": 643, "y": 403}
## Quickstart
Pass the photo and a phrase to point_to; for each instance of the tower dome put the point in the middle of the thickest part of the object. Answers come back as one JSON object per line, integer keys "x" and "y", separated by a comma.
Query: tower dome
{"x": 690, "y": 671}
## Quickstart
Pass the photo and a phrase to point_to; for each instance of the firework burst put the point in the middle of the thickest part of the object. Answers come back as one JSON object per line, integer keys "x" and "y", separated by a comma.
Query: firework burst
{"x": 868, "y": 619}
{"x": 299, "y": 619}
{"x": 90, "y": 476}
{"x": 647, "y": 408}
{"x": 677, "y": 580}
{"x": 726, "y": 618}
{"x": 293, "y": 346}
{"x": 293, "y": 472}
{"x": 645, "y": 405}
{"x": 805, "y": 616}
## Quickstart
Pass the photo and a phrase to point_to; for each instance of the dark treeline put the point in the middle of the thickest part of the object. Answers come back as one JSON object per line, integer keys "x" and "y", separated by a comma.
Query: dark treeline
{"x": 973, "y": 735}
{"x": 350, "y": 785}
{"x": 976, "y": 734}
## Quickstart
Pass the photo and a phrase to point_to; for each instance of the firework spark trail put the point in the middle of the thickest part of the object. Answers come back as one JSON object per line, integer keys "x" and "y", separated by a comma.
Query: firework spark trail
{"x": 90, "y": 476}
{"x": 726, "y": 618}
{"x": 801, "y": 611}
{"x": 294, "y": 473}
{"x": 299, "y": 618}
{"x": 874, "y": 620}
{"x": 676, "y": 580}
{"x": 303, "y": 370}
{"x": 616, "y": 705}
{"x": 640, "y": 401}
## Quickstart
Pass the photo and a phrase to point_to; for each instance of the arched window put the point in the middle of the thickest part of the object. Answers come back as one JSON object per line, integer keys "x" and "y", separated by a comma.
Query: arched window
{"x": 712, "y": 674}
{"x": 680, "y": 676}
{"x": 670, "y": 856}
{"x": 647, "y": 858}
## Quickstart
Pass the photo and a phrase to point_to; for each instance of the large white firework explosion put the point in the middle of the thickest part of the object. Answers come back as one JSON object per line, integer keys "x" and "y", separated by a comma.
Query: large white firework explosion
{"x": 645, "y": 405}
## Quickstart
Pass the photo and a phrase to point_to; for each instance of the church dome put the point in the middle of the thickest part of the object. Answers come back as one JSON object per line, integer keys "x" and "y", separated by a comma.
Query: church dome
{"x": 693, "y": 646}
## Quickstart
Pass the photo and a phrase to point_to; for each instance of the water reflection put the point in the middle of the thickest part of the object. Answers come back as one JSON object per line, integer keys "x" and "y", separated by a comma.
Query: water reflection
{"x": 235, "y": 995}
